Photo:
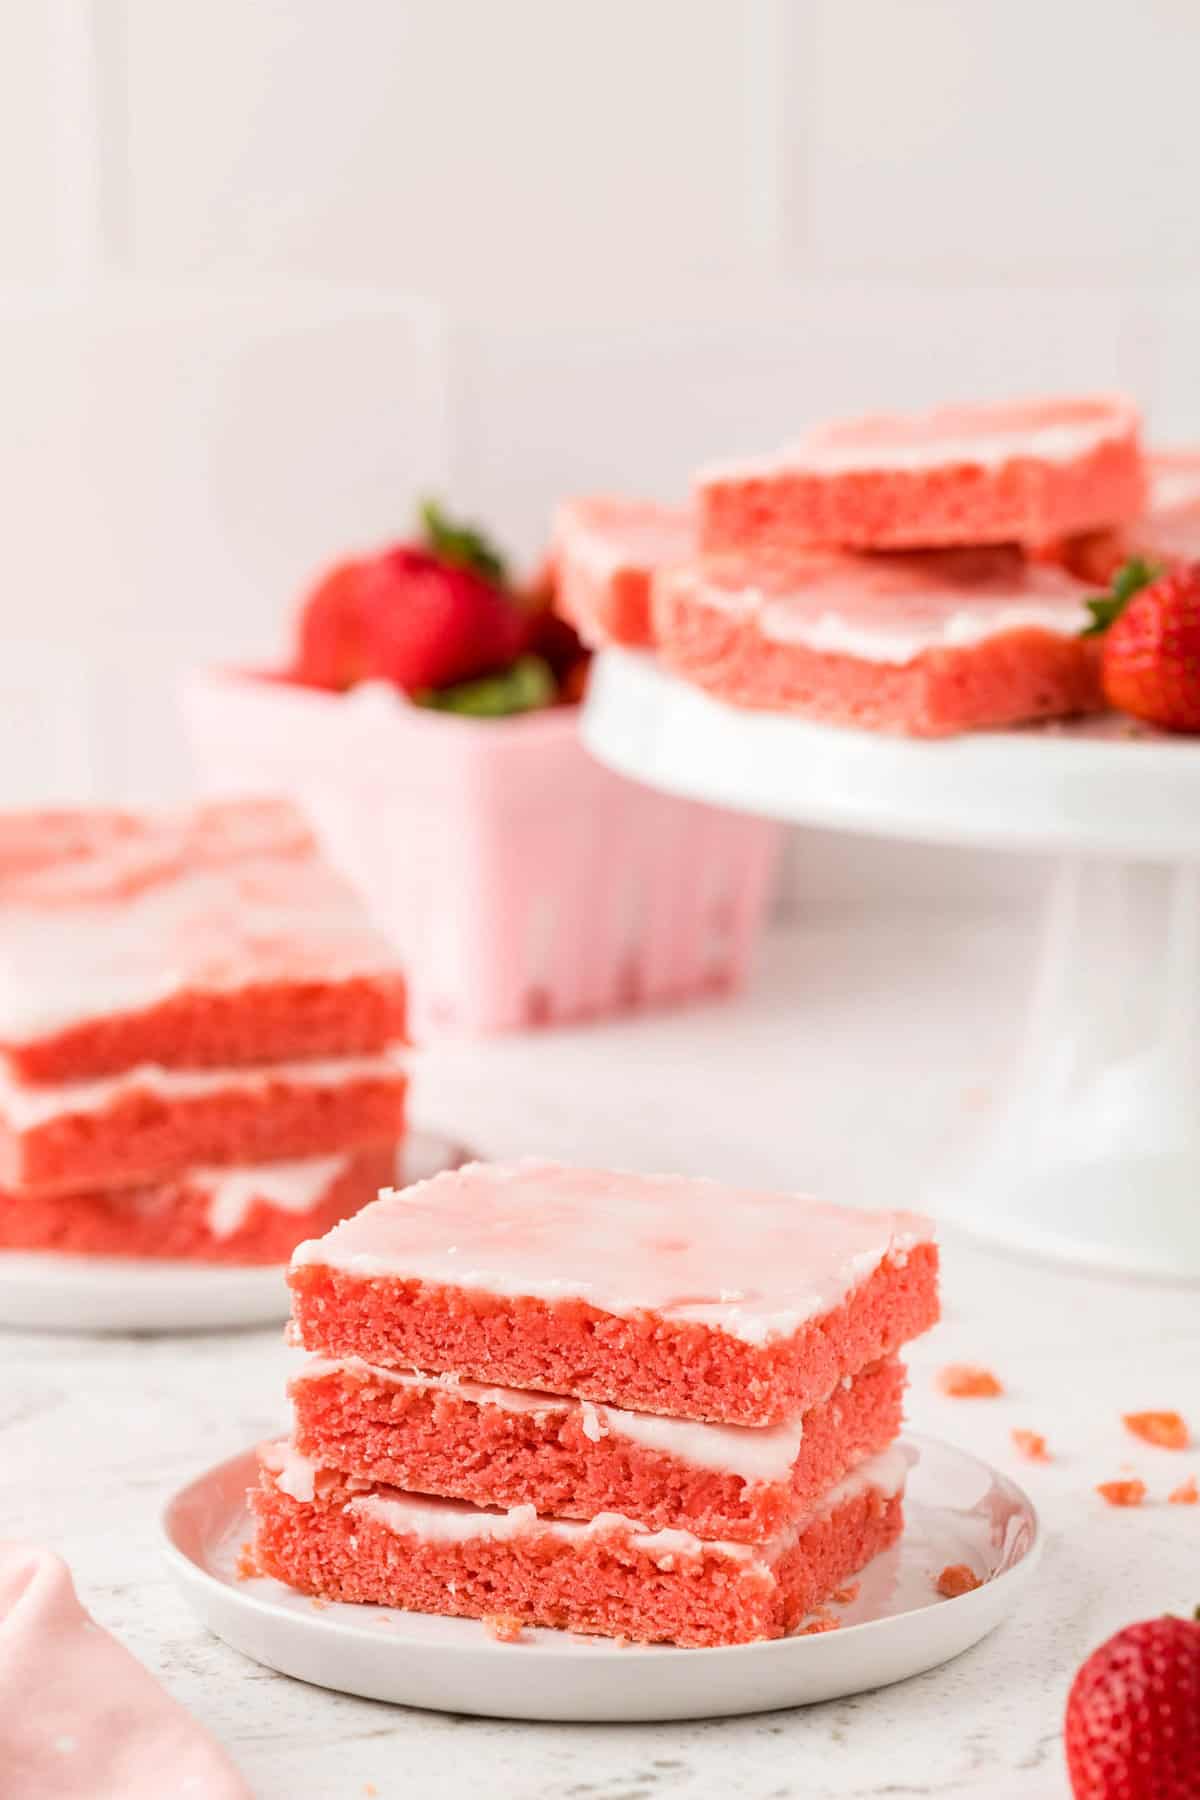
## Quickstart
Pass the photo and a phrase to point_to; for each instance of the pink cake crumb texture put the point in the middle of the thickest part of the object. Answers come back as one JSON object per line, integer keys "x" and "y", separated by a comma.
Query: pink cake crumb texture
{"x": 214, "y": 937}
{"x": 151, "y": 1123}
{"x": 656, "y": 1293}
{"x": 1023, "y": 472}
{"x": 210, "y": 1216}
{"x": 605, "y": 551}
{"x": 926, "y": 644}
{"x": 342, "y": 1541}
{"x": 570, "y": 1459}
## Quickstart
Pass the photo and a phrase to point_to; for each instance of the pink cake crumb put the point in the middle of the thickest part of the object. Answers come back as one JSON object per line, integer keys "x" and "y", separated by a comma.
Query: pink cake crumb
{"x": 572, "y": 1459}
{"x": 325, "y": 1534}
{"x": 605, "y": 552}
{"x": 506, "y": 1628}
{"x": 956, "y": 1579}
{"x": 925, "y": 645}
{"x": 197, "y": 940}
{"x": 654, "y": 1293}
{"x": 230, "y": 1216}
{"x": 1021, "y": 472}
{"x": 125, "y": 1130}
{"x": 967, "y": 1381}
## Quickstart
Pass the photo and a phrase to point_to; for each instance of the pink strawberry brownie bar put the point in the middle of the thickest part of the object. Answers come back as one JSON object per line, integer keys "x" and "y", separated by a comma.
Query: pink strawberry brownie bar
{"x": 572, "y": 1459}
{"x": 213, "y": 937}
{"x": 926, "y": 644}
{"x": 339, "y": 1539}
{"x": 151, "y": 1122}
{"x": 241, "y": 1215}
{"x": 652, "y": 1293}
{"x": 1021, "y": 472}
{"x": 604, "y": 552}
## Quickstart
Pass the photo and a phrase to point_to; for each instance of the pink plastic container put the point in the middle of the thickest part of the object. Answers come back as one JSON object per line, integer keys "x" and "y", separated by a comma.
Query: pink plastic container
{"x": 522, "y": 883}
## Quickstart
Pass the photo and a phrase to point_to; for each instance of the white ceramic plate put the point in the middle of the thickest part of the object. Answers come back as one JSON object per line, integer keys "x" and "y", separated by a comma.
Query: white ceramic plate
{"x": 958, "y": 1510}
{"x": 41, "y": 1291}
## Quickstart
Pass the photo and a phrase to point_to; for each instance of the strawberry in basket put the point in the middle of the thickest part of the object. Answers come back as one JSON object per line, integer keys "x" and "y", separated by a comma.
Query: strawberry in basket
{"x": 439, "y": 619}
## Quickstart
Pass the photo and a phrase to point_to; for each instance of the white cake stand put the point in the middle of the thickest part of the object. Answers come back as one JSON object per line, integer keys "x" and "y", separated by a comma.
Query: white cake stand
{"x": 1095, "y": 1153}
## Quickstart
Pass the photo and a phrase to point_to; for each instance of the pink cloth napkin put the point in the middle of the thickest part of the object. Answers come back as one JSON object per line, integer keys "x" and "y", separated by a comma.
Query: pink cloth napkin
{"x": 80, "y": 1716}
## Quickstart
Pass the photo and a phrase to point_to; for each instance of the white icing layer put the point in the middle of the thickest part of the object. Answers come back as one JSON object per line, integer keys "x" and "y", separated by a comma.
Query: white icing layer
{"x": 764, "y": 1455}
{"x": 603, "y": 538}
{"x": 293, "y": 1474}
{"x": 105, "y": 914}
{"x": 984, "y": 437}
{"x": 893, "y": 609}
{"x": 1174, "y": 483}
{"x": 755, "y": 1265}
{"x": 294, "y": 1187}
{"x": 454, "y": 1521}
{"x": 24, "y": 1106}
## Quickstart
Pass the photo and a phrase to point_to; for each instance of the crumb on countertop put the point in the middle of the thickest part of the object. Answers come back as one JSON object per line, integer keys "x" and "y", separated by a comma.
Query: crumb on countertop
{"x": 1127, "y": 1492}
{"x": 967, "y": 1381}
{"x": 1165, "y": 1429}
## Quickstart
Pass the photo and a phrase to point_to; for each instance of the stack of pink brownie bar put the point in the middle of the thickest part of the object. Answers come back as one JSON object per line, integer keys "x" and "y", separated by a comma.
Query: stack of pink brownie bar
{"x": 923, "y": 574}
{"x": 196, "y": 1036}
{"x": 647, "y": 1407}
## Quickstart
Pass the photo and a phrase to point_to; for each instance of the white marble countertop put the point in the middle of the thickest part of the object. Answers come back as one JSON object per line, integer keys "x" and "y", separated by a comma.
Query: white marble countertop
{"x": 861, "y": 1049}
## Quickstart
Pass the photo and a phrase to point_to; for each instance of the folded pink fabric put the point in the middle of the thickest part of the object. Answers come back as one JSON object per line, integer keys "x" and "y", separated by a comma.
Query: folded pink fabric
{"x": 80, "y": 1716}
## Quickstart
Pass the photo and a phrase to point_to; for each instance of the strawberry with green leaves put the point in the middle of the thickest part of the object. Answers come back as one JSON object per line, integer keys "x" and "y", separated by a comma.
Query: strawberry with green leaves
{"x": 1150, "y": 623}
{"x": 436, "y": 617}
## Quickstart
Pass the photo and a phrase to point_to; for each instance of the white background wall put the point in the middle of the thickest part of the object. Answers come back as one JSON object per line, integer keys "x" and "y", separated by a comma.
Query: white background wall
{"x": 647, "y": 231}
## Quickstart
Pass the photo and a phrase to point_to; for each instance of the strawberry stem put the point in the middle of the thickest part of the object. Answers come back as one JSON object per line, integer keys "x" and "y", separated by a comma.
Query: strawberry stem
{"x": 1129, "y": 580}
{"x": 463, "y": 545}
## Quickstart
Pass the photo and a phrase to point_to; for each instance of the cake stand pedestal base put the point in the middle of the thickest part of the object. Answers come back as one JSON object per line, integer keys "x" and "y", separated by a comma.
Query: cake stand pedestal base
{"x": 1095, "y": 1150}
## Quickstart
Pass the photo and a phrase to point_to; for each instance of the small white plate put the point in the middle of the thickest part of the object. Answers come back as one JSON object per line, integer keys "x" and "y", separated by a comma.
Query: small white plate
{"x": 44, "y": 1291}
{"x": 958, "y": 1510}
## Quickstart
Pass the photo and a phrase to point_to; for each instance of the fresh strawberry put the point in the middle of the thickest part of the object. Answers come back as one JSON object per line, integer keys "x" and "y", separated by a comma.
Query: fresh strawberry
{"x": 1151, "y": 658}
{"x": 429, "y": 624}
{"x": 331, "y": 651}
{"x": 525, "y": 686}
{"x": 1132, "y": 1729}
{"x": 552, "y": 637}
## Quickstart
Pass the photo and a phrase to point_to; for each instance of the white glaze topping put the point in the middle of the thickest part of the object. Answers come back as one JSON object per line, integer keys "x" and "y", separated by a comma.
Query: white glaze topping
{"x": 107, "y": 913}
{"x": 604, "y": 537}
{"x": 754, "y": 1455}
{"x": 294, "y": 1186}
{"x": 293, "y": 1474}
{"x": 755, "y": 1265}
{"x": 979, "y": 436}
{"x": 894, "y": 608}
{"x": 455, "y": 1521}
{"x": 26, "y": 1105}
{"x": 1174, "y": 483}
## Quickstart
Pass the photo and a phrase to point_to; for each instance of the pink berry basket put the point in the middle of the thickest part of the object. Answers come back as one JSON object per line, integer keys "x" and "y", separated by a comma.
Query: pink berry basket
{"x": 522, "y": 883}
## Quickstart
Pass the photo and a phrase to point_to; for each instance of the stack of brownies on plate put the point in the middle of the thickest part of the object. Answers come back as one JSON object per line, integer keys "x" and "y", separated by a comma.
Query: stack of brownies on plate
{"x": 916, "y": 574}
{"x": 196, "y": 1031}
{"x": 648, "y": 1407}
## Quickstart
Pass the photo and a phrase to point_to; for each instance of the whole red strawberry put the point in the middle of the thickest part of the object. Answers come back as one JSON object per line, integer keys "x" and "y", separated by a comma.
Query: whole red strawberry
{"x": 1133, "y": 1716}
{"x": 331, "y": 652}
{"x": 1151, "y": 656}
{"x": 428, "y": 624}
